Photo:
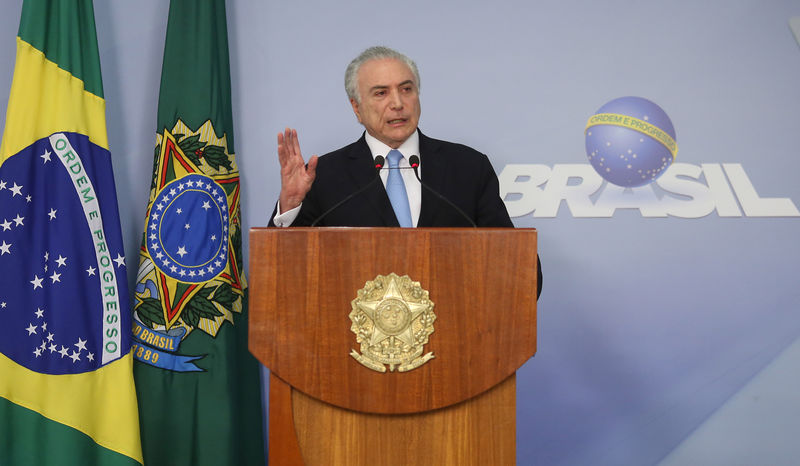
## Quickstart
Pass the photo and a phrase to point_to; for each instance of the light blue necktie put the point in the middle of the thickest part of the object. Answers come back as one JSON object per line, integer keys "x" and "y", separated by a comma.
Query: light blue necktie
{"x": 396, "y": 189}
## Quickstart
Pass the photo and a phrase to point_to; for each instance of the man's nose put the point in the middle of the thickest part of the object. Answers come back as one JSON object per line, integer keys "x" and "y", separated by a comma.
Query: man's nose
{"x": 395, "y": 101}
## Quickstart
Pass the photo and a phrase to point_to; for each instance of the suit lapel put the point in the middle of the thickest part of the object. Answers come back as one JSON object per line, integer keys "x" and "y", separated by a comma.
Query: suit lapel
{"x": 362, "y": 172}
{"x": 433, "y": 174}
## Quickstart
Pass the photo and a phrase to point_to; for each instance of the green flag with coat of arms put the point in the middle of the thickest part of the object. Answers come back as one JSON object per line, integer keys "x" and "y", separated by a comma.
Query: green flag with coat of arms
{"x": 198, "y": 386}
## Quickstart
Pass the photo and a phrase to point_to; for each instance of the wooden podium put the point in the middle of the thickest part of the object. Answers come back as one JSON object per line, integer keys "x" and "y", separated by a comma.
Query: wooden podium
{"x": 326, "y": 408}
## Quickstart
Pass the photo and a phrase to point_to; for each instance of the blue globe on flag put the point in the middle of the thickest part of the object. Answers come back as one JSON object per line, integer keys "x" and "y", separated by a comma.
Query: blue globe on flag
{"x": 188, "y": 229}
{"x": 630, "y": 141}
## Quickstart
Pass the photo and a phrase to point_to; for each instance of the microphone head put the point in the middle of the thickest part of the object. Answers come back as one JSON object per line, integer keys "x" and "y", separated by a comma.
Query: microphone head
{"x": 413, "y": 161}
{"x": 379, "y": 162}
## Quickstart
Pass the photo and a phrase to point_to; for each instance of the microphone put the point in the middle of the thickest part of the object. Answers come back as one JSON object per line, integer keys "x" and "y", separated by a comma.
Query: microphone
{"x": 379, "y": 163}
{"x": 414, "y": 162}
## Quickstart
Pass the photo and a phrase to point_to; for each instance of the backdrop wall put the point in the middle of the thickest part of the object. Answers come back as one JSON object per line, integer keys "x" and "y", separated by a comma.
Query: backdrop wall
{"x": 669, "y": 311}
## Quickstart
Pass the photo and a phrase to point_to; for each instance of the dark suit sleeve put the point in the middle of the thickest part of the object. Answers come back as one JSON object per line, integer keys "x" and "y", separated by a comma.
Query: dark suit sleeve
{"x": 492, "y": 212}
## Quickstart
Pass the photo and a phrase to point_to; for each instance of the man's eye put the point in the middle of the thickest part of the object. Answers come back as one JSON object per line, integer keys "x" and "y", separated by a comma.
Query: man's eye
{"x": 380, "y": 93}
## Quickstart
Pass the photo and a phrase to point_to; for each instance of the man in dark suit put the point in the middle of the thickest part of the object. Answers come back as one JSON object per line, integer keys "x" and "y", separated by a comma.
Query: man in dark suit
{"x": 383, "y": 87}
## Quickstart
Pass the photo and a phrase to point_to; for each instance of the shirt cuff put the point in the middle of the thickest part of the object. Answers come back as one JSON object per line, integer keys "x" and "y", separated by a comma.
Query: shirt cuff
{"x": 287, "y": 218}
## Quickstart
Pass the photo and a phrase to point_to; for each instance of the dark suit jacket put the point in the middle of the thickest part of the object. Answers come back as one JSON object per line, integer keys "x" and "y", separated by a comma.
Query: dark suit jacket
{"x": 459, "y": 173}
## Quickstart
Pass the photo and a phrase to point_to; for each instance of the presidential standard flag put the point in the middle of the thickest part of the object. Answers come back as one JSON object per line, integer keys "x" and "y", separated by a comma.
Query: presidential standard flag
{"x": 66, "y": 382}
{"x": 198, "y": 386}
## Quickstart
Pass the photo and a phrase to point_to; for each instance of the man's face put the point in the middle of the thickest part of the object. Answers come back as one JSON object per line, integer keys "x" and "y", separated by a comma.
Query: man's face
{"x": 389, "y": 107}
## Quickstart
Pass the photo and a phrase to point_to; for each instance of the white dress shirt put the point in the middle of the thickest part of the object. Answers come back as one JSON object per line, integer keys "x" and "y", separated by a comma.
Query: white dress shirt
{"x": 413, "y": 187}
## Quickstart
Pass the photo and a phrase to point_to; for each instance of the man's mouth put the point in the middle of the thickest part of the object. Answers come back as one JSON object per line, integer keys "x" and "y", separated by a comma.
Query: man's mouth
{"x": 398, "y": 121}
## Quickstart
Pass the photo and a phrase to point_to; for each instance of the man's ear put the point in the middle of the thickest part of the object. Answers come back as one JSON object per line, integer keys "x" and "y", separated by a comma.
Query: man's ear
{"x": 355, "y": 109}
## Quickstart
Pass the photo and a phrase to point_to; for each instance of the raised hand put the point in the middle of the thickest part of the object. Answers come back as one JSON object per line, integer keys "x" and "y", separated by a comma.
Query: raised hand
{"x": 296, "y": 176}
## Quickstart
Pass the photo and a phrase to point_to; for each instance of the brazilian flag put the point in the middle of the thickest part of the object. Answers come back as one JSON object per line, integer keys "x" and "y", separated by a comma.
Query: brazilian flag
{"x": 197, "y": 384}
{"x": 66, "y": 382}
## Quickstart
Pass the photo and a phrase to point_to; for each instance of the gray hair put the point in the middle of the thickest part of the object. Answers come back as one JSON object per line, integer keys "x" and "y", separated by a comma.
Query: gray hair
{"x": 373, "y": 53}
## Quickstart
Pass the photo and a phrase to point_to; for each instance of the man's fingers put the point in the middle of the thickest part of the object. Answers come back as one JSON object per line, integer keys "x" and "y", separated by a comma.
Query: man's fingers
{"x": 283, "y": 155}
{"x": 311, "y": 169}
{"x": 289, "y": 148}
{"x": 295, "y": 143}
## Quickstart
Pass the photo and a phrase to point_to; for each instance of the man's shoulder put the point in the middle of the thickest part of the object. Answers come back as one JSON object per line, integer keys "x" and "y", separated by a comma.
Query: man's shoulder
{"x": 440, "y": 148}
{"x": 351, "y": 150}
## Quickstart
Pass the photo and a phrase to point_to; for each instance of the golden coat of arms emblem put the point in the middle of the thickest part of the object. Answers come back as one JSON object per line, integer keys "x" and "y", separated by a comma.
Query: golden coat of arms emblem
{"x": 392, "y": 318}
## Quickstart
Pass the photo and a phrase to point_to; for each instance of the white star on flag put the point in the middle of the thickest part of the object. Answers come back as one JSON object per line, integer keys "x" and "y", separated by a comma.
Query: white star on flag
{"x": 52, "y": 214}
{"x": 81, "y": 344}
{"x": 5, "y": 248}
{"x": 16, "y": 189}
{"x": 119, "y": 260}
{"x": 37, "y": 282}
{"x": 46, "y": 156}
{"x": 31, "y": 329}
{"x": 61, "y": 261}
{"x": 6, "y": 224}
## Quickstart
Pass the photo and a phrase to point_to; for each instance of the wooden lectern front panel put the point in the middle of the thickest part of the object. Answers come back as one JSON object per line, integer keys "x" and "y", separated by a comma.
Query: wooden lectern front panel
{"x": 480, "y": 431}
{"x": 482, "y": 283}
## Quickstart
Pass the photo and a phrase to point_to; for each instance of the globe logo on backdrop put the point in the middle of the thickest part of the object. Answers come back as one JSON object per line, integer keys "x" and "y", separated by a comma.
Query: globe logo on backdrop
{"x": 630, "y": 141}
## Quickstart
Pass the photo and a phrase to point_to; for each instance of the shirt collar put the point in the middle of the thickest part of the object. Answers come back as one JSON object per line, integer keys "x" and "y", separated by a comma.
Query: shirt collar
{"x": 409, "y": 147}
